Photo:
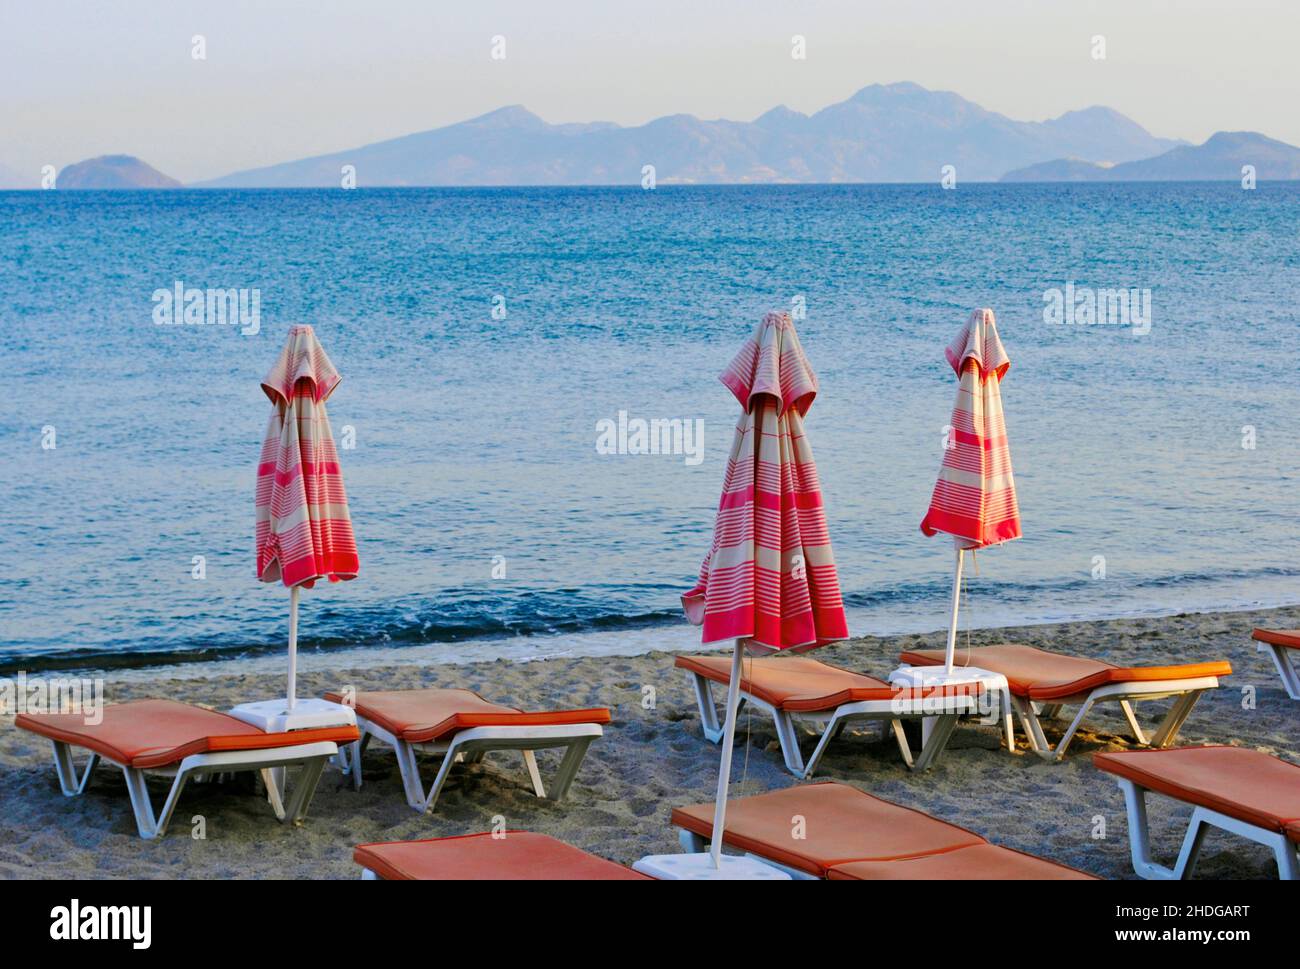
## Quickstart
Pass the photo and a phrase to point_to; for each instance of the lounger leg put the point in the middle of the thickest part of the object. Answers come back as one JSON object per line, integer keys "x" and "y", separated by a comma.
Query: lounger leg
{"x": 449, "y": 760}
{"x": 788, "y": 736}
{"x": 938, "y": 739}
{"x": 274, "y": 792}
{"x": 69, "y": 782}
{"x": 535, "y": 775}
{"x": 304, "y": 789}
{"x": 1139, "y": 834}
{"x": 369, "y": 876}
{"x": 1068, "y": 736}
{"x": 691, "y": 842}
{"x": 1008, "y": 727}
{"x": 900, "y": 735}
{"x": 1175, "y": 718}
{"x": 358, "y": 747}
{"x": 278, "y": 788}
{"x": 1133, "y": 724}
{"x": 1191, "y": 849}
{"x": 793, "y": 757}
{"x": 1288, "y": 861}
{"x": 1286, "y": 669}
{"x": 409, "y": 768}
{"x": 1032, "y": 728}
{"x": 145, "y": 822}
{"x": 349, "y": 760}
{"x": 1290, "y": 675}
{"x": 708, "y": 712}
{"x": 569, "y": 767}
{"x": 354, "y": 757}
{"x": 173, "y": 798}
{"x": 139, "y": 793}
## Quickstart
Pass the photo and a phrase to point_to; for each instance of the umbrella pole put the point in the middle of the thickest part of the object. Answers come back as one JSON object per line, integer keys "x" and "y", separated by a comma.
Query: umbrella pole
{"x": 950, "y": 655}
{"x": 728, "y": 741}
{"x": 293, "y": 646}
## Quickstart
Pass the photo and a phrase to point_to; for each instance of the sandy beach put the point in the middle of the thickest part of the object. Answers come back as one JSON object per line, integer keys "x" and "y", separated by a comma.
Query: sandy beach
{"x": 651, "y": 760}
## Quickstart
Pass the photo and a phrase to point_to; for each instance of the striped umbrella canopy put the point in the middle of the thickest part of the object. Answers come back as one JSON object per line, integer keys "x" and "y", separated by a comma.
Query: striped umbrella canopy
{"x": 769, "y": 581}
{"x": 769, "y": 577}
{"x": 974, "y": 499}
{"x": 304, "y": 530}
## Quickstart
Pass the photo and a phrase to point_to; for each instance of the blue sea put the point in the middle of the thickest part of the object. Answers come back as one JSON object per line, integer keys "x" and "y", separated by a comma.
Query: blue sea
{"x": 1156, "y": 463}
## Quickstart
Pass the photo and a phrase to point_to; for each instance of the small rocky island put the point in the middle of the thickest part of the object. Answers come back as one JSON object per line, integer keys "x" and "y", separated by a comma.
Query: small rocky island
{"x": 113, "y": 171}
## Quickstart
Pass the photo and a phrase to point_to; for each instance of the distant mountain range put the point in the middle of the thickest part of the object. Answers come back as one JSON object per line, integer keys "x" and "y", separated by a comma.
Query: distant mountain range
{"x": 1222, "y": 157}
{"x": 883, "y": 133}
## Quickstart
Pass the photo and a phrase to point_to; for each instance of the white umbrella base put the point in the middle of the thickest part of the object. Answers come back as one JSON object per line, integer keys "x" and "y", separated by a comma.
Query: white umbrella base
{"x": 941, "y": 678}
{"x": 698, "y": 866}
{"x": 934, "y": 677}
{"x": 274, "y": 716}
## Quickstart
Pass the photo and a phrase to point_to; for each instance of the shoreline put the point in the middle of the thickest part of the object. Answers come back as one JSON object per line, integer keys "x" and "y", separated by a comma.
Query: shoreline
{"x": 651, "y": 760}
{"x": 630, "y": 642}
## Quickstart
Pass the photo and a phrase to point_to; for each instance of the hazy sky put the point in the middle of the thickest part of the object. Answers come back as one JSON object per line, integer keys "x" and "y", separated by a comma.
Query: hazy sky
{"x": 285, "y": 80}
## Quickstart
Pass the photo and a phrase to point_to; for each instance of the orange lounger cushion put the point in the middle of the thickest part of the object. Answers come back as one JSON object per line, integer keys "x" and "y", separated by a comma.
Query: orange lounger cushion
{"x": 425, "y": 716}
{"x": 987, "y": 862}
{"x": 840, "y": 824}
{"x": 1278, "y": 637}
{"x": 1244, "y": 784}
{"x": 1041, "y": 675}
{"x": 155, "y": 733}
{"x": 519, "y": 856}
{"x": 796, "y": 684}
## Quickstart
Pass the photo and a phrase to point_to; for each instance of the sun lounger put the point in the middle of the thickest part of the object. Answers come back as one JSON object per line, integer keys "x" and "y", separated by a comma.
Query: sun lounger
{"x": 512, "y": 856}
{"x": 1284, "y": 646}
{"x": 1042, "y": 682}
{"x": 1242, "y": 791}
{"x": 791, "y": 688}
{"x": 831, "y": 830}
{"x": 459, "y": 725}
{"x": 163, "y": 736}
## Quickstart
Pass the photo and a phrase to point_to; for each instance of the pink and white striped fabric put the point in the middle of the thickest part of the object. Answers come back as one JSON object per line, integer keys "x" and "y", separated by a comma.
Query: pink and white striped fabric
{"x": 304, "y": 531}
{"x": 770, "y": 576}
{"x": 975, "y": 496}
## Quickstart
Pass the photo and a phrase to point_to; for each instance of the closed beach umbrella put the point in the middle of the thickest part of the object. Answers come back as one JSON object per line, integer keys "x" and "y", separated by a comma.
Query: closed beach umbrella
{"x": 769, "y": 581}
{"x": 974, "y": 499}
{"x": 304, "y": 531}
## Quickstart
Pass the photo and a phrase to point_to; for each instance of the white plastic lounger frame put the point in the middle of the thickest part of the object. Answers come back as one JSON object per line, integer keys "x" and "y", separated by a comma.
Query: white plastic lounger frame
{"x": 1187, "y": 691}
{"x": 469, "y": 746}
{"x": 312, "y": 757}
{"x": 1285, "y": 663}
{"x": 833, "y": 722}
{"x": 1139, "y": 835}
